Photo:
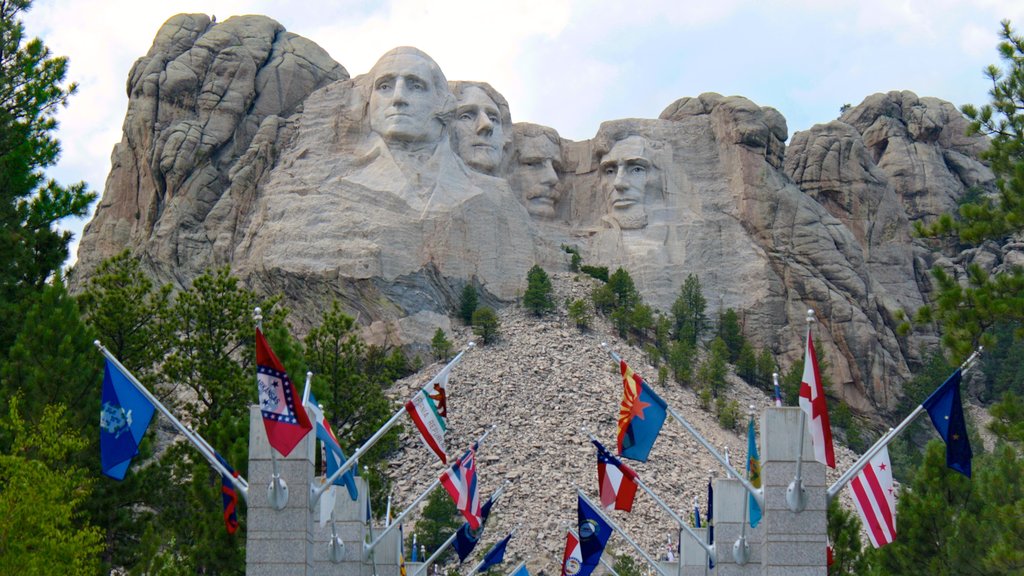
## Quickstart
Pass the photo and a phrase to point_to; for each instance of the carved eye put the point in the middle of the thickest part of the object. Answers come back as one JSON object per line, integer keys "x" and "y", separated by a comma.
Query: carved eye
{"x": 493, "y": 118}
{"x": 637, "y": 170}
{"x": 465, "y": 116}
{"x": 609, "y": 171}
{"x": 531, "y": 163}
{"x": 384, "y": 86}
{"x": 418, "y": 86}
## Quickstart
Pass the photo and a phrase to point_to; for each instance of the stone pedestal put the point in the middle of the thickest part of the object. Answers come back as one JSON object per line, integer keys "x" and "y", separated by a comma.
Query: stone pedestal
{"x": 693, "y": 556}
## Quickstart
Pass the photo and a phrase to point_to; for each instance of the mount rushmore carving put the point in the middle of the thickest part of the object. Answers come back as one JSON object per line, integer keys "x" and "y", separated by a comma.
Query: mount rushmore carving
{"x": 248, "y": 145}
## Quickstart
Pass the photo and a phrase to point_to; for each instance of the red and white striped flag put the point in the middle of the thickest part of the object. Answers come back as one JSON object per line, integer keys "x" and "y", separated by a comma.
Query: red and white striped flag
{"x": 460, "y": 482}
{"x": 572, "y": 559}
{"x": 874, "y": 495}
{"x": 812, "y": 402}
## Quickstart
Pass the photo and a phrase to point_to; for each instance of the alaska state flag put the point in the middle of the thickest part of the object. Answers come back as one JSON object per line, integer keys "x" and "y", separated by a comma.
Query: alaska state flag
{"x": 641, "y": 414}
{"x": 616, "y": 482}
{"x": 333, "y": 455}
{"x": 466, "y": 538}
{"x": 124, "y": 417}
{"x": 286, "y": 423}
{"x": 229, "y": 495}
{"x": 594, "y": 533}
{"x": 495, "y": 555}
{"x": 947, "y": 414}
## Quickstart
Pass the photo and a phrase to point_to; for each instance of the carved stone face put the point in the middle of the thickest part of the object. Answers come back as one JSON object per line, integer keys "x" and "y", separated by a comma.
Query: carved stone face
{"x": 624, "y": 174}
{"x": 535, "y": 175}
{"x": 403, "y": 99}
{"x": 478, "y": 131}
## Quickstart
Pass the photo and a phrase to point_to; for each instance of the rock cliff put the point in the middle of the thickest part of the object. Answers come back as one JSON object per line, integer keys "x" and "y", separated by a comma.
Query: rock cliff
{"x": 246, "y": 145}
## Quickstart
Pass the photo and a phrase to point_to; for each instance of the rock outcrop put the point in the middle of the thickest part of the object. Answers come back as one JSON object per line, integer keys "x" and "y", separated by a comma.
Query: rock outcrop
{"x": 246, "y": 145}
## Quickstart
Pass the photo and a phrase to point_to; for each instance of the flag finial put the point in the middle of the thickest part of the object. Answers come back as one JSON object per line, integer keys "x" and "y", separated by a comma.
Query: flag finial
{"x": 810, "y": 315}
{"x": 257, "y": 316}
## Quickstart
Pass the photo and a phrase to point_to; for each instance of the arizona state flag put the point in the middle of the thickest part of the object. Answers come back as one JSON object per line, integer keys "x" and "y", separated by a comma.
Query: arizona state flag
{"x": 641, "y": 415}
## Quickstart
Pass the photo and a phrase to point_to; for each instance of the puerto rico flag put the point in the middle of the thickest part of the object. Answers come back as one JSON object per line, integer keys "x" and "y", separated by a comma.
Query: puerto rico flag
{"x": 460, "y": 482}
{"x": 616, "y": 482}
{"x": 572, "y": 559}
{"x": 874, "y": 496}
{"x": 285, "y": 423}
{"x": 812, "y": 402}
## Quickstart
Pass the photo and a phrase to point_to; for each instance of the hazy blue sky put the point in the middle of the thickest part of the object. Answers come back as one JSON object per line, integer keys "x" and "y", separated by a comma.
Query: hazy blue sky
{"x": 564, "y": 63}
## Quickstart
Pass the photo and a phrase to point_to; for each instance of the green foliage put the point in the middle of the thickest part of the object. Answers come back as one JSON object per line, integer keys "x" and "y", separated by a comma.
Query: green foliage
{"x": 439, "y": 521}
{"x": 486, "y": 324}
{"x": 41, "y": 527}
{"x": 626, "y": 565}
{"x": 713, "y": 370}
{"x": 598, "y": 272}
{"x": 746, "y": 364}
{"x": 621, "y": 301}
{"x": 1008, "y": 419}
{"x": 538, "y": 297}
{"x": 468, "y": 302}
{"x": 847, "y": 548}
{"x": 731, "y": 333}
{"x": 1002, "y": 364}
{"x": 31, "y": 93}
{"x": 790, "y": 384}
{"x": 575, "y": 260}
{"x": 579, "y": 313}
{"x": 681, "y": 357}
{"x": 688, "y": 311}
{"x": 728, "y": 412}
{"x": 704, "y": 398}
{"x": 441, "y": 346}
{"x": 765, "y": 368}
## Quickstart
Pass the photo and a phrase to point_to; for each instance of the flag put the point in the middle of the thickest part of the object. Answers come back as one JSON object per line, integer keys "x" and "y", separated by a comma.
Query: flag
{"x": 401, "y": 550}
{"x": 812, "y": 402}
{"x": 753, "y": 472}
{"x": 466, "y": 538}
{"x": 429, "y": 412}
{"x": 414, "y": 559}
{"x": 777, "y": 396}
{"x": 641, "y": 414}
{"x": 521, "y": 571}
{"x": 947, "y": 414}
{"x": 696, "y": 513}
{"x": 711, "y": 522}
{"x": 124, "y": 418}
{"x": 495, "y": 555}
{"x": 616, "y": 482}
{"x": 460, "y": 482}
{"x": 286, "y": 425}
{"x": 333, "y": 454}
{"x": 228, "y": 495}
{"x": 874, "y": 496}
{"x": 572, "y": 559}
{"x": 594, "y": 533}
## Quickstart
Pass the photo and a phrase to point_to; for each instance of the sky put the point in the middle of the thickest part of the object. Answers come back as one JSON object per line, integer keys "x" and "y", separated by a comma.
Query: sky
{"x": 568, "y": 64}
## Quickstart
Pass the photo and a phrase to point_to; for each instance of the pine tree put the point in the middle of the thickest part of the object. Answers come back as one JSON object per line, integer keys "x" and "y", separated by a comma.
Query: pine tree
{"x": 713, "y": 371}
{"x": 468, "y": 303}
{"x": 731, "y": 333}
{"x": 688, "y": 311}
{"x": 844, "y": 534}
{"x": 538, "y": 297}
{"x": 486, "y": 324}
{"x": 441, "y": 346}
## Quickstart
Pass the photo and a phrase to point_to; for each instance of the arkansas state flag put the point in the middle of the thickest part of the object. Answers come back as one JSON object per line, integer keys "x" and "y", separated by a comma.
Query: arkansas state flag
{"x": 460, "y": 482}
{"x": 572, "y": 559}
{"x": 641, "y": 414}
{"x": 812, "y": 402}
{"x": 874, "y": 496}
{"x": 616, "y": 482}
{"x": 284, "y": 419}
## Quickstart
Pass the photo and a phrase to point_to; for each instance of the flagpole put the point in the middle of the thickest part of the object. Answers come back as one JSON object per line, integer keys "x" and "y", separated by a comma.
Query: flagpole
{"x": 796, "y": 496}
{"x": 682, "y": 523}
{"x": 740, "y": 548}
{"x": 315, "y": 493}
{"x": 518, "y": 566}
{"x": 608, "y": 520}
{"x": 398, "y": 520}
{"x": 757, "y": 493}
{"x": 890, "y": 436}
{"x": 440, "y": 549}
{"x": 200, "y": 444}
{"x": 477, "y": 567}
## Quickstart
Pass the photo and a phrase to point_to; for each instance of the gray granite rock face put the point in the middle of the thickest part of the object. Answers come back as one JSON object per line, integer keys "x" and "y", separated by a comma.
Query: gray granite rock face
{"x": 247, "y": 145}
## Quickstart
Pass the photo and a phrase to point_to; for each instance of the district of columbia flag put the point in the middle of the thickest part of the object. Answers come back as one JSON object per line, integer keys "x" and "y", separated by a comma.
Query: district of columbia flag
{"x": 812, "y": 402}
{"x": 572, "y": 559}
{"x": 947, "y": 415}
{"x": 641, "y": 415}
{"x": 594, "y": 532}
{"x": 616, "y": 482}
{"x": 753, "y": 472}
{"x": 460, "y": 482}
{"x": 874, "y": 496}
{"x": 429, "y": 412}
{"x": 285, "y": 423}
{"x": 334, "y": 457}
{"x": 125, "y": 414}
{"x": 229, "y": 496}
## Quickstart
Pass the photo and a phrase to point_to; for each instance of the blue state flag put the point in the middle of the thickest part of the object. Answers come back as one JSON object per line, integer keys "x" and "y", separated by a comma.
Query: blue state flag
{"x": 495, "y": 556}
{"x": 947, "y": 414}
{"x": 466, "y": 538}
{"x": 124, "y": 417}
{"x": 753, "y": 473}
{"x": 333, "y": 454}
{"x": 594, "y": 533}
{"x": 521, "y": 571}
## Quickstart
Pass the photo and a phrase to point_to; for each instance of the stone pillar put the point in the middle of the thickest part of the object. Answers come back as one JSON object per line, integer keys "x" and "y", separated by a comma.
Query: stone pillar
{"x": 729, "y": 520}
{"x": 278, "y": 542}
{"x": 794, "y": 543}
{"x": 692, "y": 554}
{"x": 350, "y": 522}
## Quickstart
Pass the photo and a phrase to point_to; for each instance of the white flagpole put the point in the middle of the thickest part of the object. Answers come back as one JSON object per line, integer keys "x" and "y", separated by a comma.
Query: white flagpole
{"x": 636, "y": 546}
{"x": 756, "y": 492}
{"x": 796, "y": 496}
{"x": 682, "y": 523}
{"x": 315, "y": 493}
{"x": 440, "y": 549}
{"x": 398, "y": 520}
{"x": 200, "y": 444}
{"x": 481, "y": 563}
{"x": 890, "y": 436}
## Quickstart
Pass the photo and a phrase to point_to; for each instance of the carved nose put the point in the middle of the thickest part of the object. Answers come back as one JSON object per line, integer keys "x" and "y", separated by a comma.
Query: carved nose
{"x": 620, "y": 180}
{"x": 484, "y": 126}
{"x": 398, "y": 95}
{"x": 549, "y": 177}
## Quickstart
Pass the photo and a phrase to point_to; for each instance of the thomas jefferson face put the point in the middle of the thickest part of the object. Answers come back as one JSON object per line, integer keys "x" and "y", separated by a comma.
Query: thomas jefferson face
{"x": 535, "y": 175}
{"x": 478, "y": 130}
{"x": 624, "y": 175}
{"x": 404, "y": 99}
